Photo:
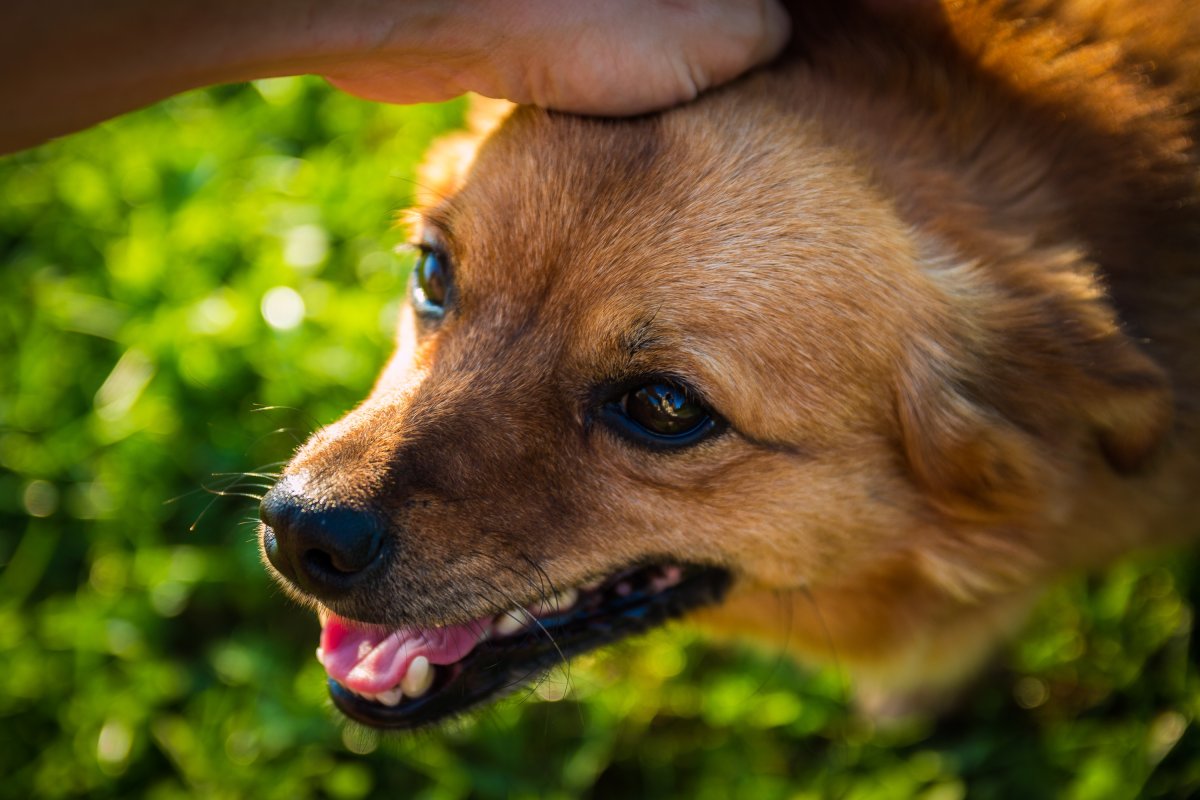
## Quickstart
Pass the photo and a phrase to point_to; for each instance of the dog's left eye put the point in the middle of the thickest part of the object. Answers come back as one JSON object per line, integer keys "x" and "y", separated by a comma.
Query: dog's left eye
{"x": 430, "y": 282}
{"x": 661, "y": 413}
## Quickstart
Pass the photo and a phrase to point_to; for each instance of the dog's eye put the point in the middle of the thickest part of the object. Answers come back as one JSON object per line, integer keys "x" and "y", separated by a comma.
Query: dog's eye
{"x": 661, "y": 414}
{"x": 430, "y": 282}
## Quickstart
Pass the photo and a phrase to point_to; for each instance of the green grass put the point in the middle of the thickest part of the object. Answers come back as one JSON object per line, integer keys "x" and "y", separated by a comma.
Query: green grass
{"x": 145, "y": 653}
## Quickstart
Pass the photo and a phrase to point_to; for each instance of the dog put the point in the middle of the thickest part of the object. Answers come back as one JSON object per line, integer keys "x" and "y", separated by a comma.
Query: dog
{"x": 852, "y": 357}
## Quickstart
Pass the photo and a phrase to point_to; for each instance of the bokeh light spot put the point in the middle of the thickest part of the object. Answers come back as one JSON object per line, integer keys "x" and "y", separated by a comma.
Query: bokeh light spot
{"x": 40, "y": 498}
{"x": 283, "y": 308}
{"x": 306, "y": 247}
{"x": 113, "y": 745}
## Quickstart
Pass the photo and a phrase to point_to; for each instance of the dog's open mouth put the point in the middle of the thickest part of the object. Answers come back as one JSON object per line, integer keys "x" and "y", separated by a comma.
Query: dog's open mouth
{"x": 407, "y": 678}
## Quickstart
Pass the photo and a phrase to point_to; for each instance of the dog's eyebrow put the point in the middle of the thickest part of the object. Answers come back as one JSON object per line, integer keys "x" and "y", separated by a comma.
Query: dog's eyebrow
{"x": 440, "y": 217}
{"x": 641, "y": 337}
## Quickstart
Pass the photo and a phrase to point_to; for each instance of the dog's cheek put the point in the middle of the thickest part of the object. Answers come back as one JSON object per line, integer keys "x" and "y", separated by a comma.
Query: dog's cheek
{"x": 776, "y": 519}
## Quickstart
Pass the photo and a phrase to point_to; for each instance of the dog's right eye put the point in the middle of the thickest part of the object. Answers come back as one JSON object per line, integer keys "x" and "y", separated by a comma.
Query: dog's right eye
{"x": 430, "y": 283}
{"x": 661, "y": 414}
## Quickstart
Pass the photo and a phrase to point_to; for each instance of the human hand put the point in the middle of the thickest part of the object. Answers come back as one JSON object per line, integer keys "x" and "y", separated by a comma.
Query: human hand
{"x": 614, "y": 57}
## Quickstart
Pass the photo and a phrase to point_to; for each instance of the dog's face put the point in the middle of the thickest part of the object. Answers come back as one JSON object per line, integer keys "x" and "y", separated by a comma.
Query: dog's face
{"x": 646, "y": 358}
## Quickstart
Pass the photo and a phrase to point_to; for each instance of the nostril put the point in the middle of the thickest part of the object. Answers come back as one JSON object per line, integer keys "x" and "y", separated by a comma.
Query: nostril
{"x": 327, "y": 550}
{"x": 341, "y": 541}
{"x": 318, "y": 562}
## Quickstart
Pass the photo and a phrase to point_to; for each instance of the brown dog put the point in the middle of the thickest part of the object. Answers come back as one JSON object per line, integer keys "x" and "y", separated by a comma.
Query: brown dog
{"x": 867, "y": 347}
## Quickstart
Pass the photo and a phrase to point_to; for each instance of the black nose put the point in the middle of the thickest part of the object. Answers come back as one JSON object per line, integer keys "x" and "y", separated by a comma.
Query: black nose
{"x": 326, "y": 550}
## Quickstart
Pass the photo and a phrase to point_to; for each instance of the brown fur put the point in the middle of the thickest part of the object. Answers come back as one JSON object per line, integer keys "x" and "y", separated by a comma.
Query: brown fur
{"x": 939, "y": 275}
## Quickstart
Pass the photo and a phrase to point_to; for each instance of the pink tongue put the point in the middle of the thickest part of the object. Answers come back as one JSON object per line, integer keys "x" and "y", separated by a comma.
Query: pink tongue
{"x": 369, "y": 659}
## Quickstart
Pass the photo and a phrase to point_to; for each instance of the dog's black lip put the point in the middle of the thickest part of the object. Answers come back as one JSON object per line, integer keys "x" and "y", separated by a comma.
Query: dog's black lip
{"x": 498, "y": 666}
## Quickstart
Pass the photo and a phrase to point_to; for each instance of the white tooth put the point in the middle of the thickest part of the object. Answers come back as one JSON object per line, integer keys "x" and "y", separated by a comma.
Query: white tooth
{"x": 592, "y": 586}
{"x": 565, "y": 599}
{"x": 418, "y": 679}
{"x": 556, "y": 604}
{"x": 511, "y": 622}
{"x": 391, "y": 697}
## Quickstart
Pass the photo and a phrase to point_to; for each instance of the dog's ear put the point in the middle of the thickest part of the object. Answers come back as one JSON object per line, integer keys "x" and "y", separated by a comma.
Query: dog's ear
{"x": 450, "y": 157}
{"x": 970, "y": 461}
{"x": 1029, "y": 373}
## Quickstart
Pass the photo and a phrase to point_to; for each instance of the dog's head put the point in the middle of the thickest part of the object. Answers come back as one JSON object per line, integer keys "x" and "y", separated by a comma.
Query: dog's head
{"x": 648, "y": 358}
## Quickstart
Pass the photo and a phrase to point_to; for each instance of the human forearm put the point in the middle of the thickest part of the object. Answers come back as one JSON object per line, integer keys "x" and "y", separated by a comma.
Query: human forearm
{"x": 67, "y": 64}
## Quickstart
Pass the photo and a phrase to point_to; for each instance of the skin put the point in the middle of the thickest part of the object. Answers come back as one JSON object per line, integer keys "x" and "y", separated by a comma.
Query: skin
{"x": 67, "y": 64}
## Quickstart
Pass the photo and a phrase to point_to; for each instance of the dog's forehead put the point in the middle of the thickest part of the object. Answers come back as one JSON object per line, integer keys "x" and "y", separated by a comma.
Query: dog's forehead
{"x": 715, "y": 234}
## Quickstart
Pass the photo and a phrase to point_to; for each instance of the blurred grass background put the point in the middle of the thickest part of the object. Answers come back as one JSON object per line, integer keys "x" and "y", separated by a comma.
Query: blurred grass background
{"x": 186, "y": 292}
